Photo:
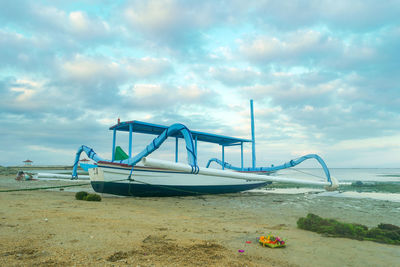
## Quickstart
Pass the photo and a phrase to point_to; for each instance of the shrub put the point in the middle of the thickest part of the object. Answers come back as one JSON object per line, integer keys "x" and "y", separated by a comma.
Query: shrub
{"x": 81, "y": 195}
{"x": 93, "y": 197}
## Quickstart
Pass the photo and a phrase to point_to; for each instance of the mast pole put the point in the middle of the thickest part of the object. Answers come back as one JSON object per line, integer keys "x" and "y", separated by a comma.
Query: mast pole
{"x": 253, "y": 140}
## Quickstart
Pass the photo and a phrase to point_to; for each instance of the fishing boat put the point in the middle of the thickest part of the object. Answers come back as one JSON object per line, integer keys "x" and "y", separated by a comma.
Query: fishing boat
{"x": 140, "y": 175}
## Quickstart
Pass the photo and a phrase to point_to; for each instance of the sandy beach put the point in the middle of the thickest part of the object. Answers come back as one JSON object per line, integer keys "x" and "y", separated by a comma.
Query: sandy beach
{"x": 51, "y": 228}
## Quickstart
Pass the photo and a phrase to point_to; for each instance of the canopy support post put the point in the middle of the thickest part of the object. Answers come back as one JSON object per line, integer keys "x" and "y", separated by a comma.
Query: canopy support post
{"x": 176, "y": 149}
{"x": 223, "y": 157}
{"x": 113, "y": 146}
{"x": 195, "y": 145}
{"x": 130, "y": 139}
{"x": 241, "y": 155}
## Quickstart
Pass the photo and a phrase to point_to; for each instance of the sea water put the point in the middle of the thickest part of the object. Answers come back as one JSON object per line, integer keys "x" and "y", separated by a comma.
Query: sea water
{"x": 378, "y": 183}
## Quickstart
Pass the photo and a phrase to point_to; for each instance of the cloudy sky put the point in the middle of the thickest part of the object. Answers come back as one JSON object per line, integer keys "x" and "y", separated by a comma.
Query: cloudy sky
{"x": 324, "y": 76}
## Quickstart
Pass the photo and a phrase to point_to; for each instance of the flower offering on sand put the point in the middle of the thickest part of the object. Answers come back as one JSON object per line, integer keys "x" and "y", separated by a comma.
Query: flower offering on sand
{"x": 272, "y": 241}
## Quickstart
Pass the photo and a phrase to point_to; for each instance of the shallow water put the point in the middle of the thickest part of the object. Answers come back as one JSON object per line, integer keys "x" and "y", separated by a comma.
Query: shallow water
{"x": 371, "y": 195}
{"x": 376, "y": 184}
{"x": 346, "y": 174}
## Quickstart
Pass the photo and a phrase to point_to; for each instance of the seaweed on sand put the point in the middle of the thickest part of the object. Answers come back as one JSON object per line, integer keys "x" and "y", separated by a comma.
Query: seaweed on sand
{"x": 383, "y": 233}
{"x": 82, "y": 195}
{"x": 93, "y": 197}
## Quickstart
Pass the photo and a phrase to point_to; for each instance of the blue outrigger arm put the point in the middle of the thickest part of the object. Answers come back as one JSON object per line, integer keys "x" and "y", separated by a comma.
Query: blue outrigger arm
{"x": 174, "y": 129}
{"x": 286, "y": 165}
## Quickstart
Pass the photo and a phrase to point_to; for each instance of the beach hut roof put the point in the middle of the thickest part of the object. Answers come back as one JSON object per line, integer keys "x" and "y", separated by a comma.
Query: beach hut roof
{"x": 28, "y": 160}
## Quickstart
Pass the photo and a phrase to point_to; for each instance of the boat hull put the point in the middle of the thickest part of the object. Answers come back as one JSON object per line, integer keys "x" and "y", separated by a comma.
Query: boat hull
{"x": 112, "y": 178}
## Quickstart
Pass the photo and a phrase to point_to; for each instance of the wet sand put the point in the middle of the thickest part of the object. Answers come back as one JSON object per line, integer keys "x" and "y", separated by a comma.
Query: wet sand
{"x": 51, "y": 228}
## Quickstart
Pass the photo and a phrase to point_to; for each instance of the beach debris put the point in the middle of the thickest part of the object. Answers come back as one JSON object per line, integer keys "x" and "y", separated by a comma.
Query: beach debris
{"x": 23, "y": 176}
{"x": 272, "y": 241}
{"x": 383, "y": 233}
{"x": 248, "y": 242}
{"x": 82, "y": 195}
{"x": 46, "y": 220}
{"x": 241, "y": 250}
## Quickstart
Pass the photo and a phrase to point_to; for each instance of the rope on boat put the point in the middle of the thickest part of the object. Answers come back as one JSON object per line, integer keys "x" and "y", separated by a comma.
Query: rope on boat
{"x": 51, "y": 187}
{"x": 41, "y": 188}
{"x": 308, "y": 173}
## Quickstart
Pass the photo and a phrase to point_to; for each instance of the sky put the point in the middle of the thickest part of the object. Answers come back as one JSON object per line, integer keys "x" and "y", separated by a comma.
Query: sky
{"x": 324, "y": 77}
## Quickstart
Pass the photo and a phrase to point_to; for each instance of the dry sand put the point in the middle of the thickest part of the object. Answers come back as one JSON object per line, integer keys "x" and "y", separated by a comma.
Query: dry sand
{"x": 51, "y": 228}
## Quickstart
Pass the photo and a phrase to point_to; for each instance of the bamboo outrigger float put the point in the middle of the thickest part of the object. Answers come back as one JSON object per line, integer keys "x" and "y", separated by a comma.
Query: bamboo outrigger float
{"x": 140, "y": 175}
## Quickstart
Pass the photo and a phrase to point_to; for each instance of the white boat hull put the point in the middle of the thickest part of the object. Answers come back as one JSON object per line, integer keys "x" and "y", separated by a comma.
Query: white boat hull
{"x": 112, "y": 178}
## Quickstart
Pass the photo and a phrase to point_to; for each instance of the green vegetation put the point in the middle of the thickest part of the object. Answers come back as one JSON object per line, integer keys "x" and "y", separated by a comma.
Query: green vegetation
{"x": 383, "y": 233}
{"x": 93, "y": 197}
{"x": 82, "y": 195}
{"x": 387, "y": 187}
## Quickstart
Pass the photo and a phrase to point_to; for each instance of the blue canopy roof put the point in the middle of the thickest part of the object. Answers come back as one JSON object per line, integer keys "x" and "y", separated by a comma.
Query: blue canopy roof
{"x": 150, "y": 128}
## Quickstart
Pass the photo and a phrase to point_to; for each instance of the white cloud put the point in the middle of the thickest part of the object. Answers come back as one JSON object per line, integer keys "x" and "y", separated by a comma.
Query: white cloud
{"x": 79, "y": 21}
{"x": 156, "y": 16}
{"x": 289, "y": 47}
{"x": 25, "y": 89}
{"x": 142, "y": 91}
{"x": 83, "y": 68}
{"x": 161, "y": 96}
{"x": 173, "y": 24}
{"x": 193, "y": 93}
{"x": 340, "y": 15}
{"x": 235, "y": 76}
{"x": 84, "y": 27}
{"x": 148, "y": 67}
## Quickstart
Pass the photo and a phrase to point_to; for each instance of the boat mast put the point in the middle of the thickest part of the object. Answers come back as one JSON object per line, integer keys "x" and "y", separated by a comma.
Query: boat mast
{"x": 253, "y": 140}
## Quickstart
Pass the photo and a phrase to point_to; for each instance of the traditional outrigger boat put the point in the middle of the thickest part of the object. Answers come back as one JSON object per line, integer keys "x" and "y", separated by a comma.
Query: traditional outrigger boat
{"x": 140, "y": 175}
